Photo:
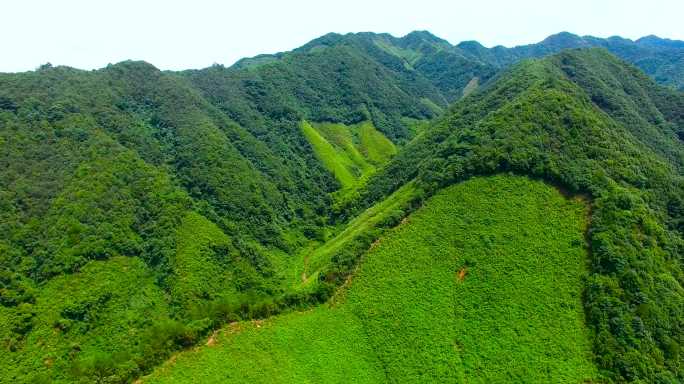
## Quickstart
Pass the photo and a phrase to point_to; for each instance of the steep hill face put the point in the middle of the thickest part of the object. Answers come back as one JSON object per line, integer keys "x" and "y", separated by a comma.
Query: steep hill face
{"x": 560, "y": 120}
{"x": 326, "y": 80}
{"x": 113, "y": 172}
{"x": 431, "y": 67}
{"x": 419, "y": 56}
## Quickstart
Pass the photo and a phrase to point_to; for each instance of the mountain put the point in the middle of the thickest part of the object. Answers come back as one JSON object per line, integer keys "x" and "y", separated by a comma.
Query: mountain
{"x": 201, "y": 183}
{"x": 143, "y": 209}
{"x": 450, "y": 68}
{"x": 565, "y": 119}
{"x": 445, "y": 296}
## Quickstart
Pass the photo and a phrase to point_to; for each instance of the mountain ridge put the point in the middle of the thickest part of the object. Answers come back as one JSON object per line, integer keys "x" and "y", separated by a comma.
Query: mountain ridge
{"x": 548, "y": 118}
{"x": 218, "y": 189}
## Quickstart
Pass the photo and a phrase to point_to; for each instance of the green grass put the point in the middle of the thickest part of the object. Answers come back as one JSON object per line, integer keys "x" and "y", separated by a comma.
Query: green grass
{"x": 471, "y": 86}
{"x": 517, "y": 314}
{"x": 377, "y": 148}
{"x": 350, "y": 152}
{"x": 410, "y": 315}
{"x": 409, "y": 55}
{"x": 342, "y": 138}
{"x": 320, "y": 257}
{"x": 321, "y": 345}
{"x": 436, "y": 109}
{"x": 416, "y": 127}
{"x": 333, "y": 159}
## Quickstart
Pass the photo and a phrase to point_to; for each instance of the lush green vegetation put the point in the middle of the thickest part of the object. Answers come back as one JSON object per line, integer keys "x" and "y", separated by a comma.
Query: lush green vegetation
{"x": 92, "y": 316}
{"x": 320, "y": 345}
{"x": 107, "y": 164}
{"x": 237, "y": 193}
{"x": 457, "y": 293}
{"x": 334, "y": 259}
{"x": 133, "y": 162}
{"x": 586, "y": 121}
{"x": 451, "y": 68}
{"x": 351, "y": 153}
{"x": 346, "y": 167}
{"x": 659, "y": 58}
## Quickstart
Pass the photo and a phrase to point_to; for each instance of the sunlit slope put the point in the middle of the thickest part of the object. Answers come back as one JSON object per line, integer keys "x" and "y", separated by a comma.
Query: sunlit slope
{"x": 481, "y": 284}
{"x": 350, "y": 152}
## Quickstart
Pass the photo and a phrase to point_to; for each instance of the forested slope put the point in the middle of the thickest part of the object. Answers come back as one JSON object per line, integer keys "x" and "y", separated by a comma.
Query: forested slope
{"x": 211, "y": 198}
{"x": 662, "y": 59}
{"x": 591, "y": 124}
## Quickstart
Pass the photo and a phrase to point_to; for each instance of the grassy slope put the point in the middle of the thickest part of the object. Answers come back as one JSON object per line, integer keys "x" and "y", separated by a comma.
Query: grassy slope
{"x": 407, "y": 315}
{"x": 376, "y": 147}
{"x": 471, "y": 86}
{"x": 334, "y": 161}
{"x": 350, "y": 152}
{"x": 321, "y": 345}
{"x": 593, "y": 129}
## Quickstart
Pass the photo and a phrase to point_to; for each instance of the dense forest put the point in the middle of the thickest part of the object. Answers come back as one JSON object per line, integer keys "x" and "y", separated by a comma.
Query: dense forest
{"x": 141, "y": 209}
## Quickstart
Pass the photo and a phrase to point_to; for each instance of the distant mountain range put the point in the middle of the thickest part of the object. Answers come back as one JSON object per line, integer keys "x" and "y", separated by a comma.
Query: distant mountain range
{"x": 452, "y": 66}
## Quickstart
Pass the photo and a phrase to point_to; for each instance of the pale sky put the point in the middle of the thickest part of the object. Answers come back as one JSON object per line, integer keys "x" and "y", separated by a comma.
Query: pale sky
{"x": 176, "y": 35}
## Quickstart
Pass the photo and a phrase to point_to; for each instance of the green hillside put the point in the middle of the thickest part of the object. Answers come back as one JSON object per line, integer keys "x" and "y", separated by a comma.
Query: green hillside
{"x": 203, "y": 179}
{"x": 559, "y": 119}
{"x": 129, "y": 161}
{"x": 350, "y": 153}
{"x": 141, "y": 210}
{"x": 457, "y": 293}
{"x": 659, "y": 58}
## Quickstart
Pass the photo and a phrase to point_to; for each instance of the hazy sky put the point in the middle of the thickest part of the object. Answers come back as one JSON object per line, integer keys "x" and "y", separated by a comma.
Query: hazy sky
{"x": 194, "y": 34}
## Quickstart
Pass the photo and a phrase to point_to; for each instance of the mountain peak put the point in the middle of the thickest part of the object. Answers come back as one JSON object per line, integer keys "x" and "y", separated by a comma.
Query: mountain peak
{"x": 139, "y": 65}
{"x": 564, "y": 40}
{"x": 471, "y": 46}
{"x": 424, "y": 35}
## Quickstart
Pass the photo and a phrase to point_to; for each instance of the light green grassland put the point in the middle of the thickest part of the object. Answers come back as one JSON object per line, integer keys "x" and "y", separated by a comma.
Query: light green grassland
{"x": 433, "y": 107}
{"x": 480, "y": 285}
{"x": 321, "y": 345}
{"x": 416, "y": 127}
{"x": 471, "y": 86}
{"x": 409, "y": 55}
{"x": 377, "y": 148}
{"x": 350, "y": 152}
{"x": 339, "y": 164}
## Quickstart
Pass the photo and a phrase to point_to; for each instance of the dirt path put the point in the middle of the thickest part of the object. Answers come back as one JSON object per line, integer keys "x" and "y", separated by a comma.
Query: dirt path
{"x": 461, "y": 274}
